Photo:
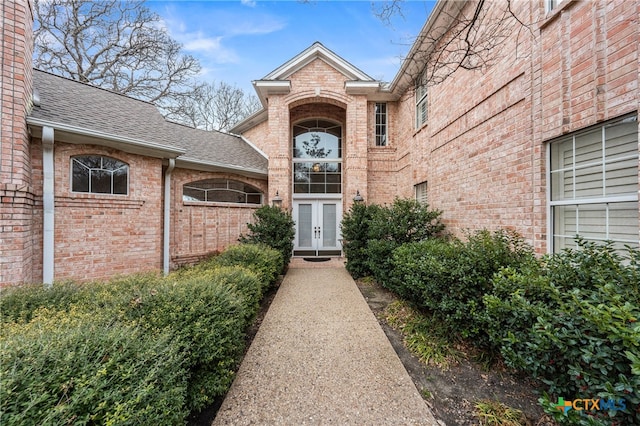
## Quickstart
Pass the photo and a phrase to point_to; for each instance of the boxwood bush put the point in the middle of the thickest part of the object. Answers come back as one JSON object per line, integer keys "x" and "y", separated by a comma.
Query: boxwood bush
{"x": 274, "y": 228}
{"x": 80, "y": 368}
{"x": 264, "y": 260}
{"x": 371, "y": 233}
{"x": 170, "y": 345}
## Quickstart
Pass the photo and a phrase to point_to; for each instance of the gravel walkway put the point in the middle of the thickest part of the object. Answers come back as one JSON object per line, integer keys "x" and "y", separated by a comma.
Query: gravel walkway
{"x": 320, "y": 357}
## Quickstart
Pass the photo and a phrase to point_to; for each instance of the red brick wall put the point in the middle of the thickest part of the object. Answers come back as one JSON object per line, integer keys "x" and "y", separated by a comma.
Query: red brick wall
{"x": 16, "y": 192}
{"x": 483, "y": 149}
{"x": 99, "y": 235}
{"x": 197, "y": 228}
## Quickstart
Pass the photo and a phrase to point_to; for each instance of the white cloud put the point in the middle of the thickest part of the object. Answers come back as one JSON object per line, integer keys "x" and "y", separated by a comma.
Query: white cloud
{"x": 250, "y": 3}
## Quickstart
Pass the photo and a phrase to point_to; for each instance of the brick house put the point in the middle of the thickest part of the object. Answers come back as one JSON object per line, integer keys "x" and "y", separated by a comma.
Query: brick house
{"x": 543, "y": 139}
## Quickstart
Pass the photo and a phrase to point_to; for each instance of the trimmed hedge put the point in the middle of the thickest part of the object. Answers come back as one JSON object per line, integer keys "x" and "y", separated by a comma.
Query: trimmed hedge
{"x": 187, "y": 329}
{"x": 78, "y": 368}
{"x": 450, "y": 278}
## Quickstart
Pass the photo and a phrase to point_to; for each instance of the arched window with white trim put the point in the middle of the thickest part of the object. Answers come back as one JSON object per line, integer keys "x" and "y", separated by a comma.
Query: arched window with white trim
{"x": 97, "y": 174}
{"x": 221, "y": 191}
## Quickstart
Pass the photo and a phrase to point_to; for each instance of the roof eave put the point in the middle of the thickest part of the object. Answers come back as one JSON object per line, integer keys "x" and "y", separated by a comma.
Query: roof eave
{"x": 78, "y": 135}
{"x": 437, "y": 20}
{"x": 250, "y": 122}
{"x": 212, "y": 166}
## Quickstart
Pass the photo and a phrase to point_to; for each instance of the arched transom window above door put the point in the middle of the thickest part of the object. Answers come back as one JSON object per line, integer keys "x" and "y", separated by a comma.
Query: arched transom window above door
{"x": 317, "y": 157}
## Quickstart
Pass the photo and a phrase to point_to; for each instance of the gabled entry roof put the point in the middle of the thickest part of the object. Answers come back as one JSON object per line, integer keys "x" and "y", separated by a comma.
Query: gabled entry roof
{"x": 316, "y": 51}
{"x": 277, "y": 81}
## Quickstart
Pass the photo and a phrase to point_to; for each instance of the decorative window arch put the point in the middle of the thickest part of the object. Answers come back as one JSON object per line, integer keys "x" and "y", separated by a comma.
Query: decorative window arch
{"x": 97, "y": 174}
{"x": 221, "y": 191}
{"x": 317, "y": 157}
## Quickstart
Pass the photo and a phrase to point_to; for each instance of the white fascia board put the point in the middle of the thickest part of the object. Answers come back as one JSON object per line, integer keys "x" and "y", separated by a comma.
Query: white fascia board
{"x": 79, "y": 135}
{"x": 422, "y": 44}
{"x": 212, "y": 166}
{"x": 249, "y": 122}
{"x": 248, "y": 142}
{"x": 317, "y": 51}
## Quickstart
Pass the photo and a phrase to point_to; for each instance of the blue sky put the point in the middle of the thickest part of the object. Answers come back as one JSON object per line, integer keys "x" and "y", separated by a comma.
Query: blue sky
{"x": 240, "y": 41}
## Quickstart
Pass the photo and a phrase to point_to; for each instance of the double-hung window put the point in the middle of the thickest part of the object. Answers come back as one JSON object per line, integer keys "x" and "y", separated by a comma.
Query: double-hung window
{"x": 421, "y": 102}
{"x": 381, "y": 124}
{"x": 594, "y": 185}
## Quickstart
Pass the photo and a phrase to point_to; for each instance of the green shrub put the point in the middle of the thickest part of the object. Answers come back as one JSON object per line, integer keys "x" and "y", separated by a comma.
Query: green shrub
{"x": 573, "y": 324}
{"x": 204, "y": 309}
{"x": 450, "y": 278}
{"x": 80, "y": 368}
{"x": 355, "y": 235}
{"x": 19, "y": 303}
{"x": 265, "y": 261}
{"x": 273, "y": 227}
{"x": 371, "y": 233}
{"x": 208, "y": 318}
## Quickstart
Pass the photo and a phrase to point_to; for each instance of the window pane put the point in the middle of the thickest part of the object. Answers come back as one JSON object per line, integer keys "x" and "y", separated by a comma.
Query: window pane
{"x": 622, "y": 177}
{"x": 562, "y": 154}
{"x": 329, "y": 225}
{"x": 621, "y": 141}
{"x": 623, "y": 222}
{"x": 221, "y": 191}
{"x": 304, "y": 225}
{"x": 316, "y": 145}
{"x": 80, "y": 179}
{"x": 120, "y": 180}
{"x": 562, "y": 185}
{"x": 589, "y": 148}
{"x": 588, "y": 182}
{"x": 101, "y": 182}
{"x": 192, "y": 194}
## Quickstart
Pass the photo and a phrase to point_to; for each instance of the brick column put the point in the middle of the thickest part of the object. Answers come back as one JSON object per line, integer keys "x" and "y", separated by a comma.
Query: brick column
{"x": 17, "y": 197}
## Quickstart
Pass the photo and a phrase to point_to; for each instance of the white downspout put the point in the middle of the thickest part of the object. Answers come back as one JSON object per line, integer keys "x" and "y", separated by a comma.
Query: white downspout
{"x": 167, "y": 216}
{"x": 48, "y": 207}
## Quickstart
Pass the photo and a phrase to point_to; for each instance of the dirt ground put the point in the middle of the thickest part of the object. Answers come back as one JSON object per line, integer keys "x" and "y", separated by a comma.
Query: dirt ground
{"x": 452, "y": 393}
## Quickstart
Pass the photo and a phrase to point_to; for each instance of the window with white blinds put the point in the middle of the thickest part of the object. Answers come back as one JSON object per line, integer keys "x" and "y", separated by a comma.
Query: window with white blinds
{"x": 594, "y": 185}
{"x": 421, "y": 102}
{"x": 421, "y": 193}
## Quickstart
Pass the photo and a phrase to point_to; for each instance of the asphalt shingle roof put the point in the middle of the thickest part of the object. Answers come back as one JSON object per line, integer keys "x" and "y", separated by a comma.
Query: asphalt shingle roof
{"x": 83, "y": 106}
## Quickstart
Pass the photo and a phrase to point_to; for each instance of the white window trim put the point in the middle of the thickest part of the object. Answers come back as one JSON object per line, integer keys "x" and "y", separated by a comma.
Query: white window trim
{"x": 597, "y": 200}
{"x": 386, "y": 124}
{"x": 423, "y": 99}
{"x": 126, "y": 166}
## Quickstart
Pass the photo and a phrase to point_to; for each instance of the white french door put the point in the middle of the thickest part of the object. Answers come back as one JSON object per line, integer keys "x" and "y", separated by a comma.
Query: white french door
{"x": 317, "y": 227}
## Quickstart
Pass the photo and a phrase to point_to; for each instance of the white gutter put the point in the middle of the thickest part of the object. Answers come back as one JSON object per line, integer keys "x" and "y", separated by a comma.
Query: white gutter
{"x": 166, "y": 257}
{"x": 48, "y": 207}
{"x": 135, "y": 146}
{"x": 196, "y": 164}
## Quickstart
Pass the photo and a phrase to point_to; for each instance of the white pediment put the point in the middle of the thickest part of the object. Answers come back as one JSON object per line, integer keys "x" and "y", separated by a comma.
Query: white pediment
{"x": 317, "y": 51}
